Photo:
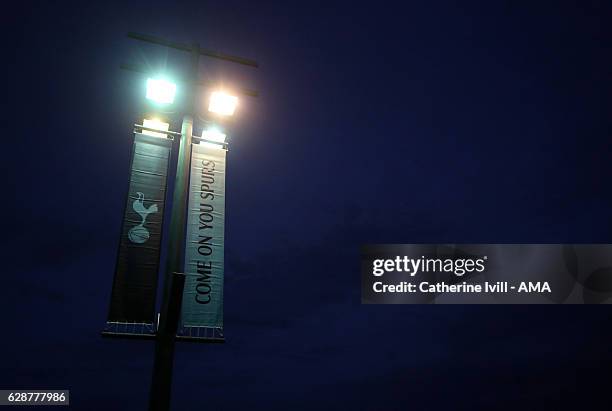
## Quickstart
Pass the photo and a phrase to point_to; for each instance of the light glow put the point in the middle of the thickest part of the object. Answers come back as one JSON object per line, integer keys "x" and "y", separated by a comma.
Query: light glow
{"x": 160, "y": 91}
{"x": 214, "y": 134}
{"x": 222, "y": 103}
{"x": 157, "y": 125}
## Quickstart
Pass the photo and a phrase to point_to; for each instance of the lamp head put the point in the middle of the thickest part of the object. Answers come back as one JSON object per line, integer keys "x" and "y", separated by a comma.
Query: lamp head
{"x": 160, "y": 90}
{"x": 222, "y": 103}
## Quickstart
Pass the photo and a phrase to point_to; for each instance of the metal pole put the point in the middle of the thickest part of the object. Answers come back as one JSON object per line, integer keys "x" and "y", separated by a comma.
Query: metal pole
{"x": 161, "y": 385}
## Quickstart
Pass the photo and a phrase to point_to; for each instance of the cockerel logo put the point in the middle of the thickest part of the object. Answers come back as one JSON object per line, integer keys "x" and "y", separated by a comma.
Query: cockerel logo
{"x": 139, "y": 234}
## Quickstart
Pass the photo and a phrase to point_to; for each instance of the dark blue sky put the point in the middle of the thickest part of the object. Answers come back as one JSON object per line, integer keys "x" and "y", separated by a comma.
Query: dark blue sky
{"x": 377, "y": 123}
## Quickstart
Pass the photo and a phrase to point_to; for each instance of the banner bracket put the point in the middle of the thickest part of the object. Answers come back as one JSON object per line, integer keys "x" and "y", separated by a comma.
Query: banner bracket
{"x": 127, "y": 336}
{"x": 198, "y": 140}
{"x": 169, "y": 134}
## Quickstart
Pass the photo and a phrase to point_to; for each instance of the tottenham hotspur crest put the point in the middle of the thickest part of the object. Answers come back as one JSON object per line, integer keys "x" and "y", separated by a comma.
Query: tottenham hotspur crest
{"x": 139, "y": 234}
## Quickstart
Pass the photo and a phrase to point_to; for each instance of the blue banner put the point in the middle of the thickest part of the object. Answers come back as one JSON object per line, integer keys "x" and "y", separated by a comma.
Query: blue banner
{"x": 135, "y": 282}
{"x": 204, "y": 252}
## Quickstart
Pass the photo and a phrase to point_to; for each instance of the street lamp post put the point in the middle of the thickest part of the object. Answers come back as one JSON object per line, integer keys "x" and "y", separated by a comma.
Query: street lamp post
{"x": 162, "y": 92}
{"x": 161, "y": 384}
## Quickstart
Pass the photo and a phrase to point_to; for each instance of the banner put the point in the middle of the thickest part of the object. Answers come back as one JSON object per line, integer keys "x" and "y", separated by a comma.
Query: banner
{"x": 204, "y": 252}
{"x": 135, "y": 282}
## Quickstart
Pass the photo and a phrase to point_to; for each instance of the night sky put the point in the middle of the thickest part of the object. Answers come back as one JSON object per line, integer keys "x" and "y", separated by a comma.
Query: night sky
{"x": 432, "y": 121}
